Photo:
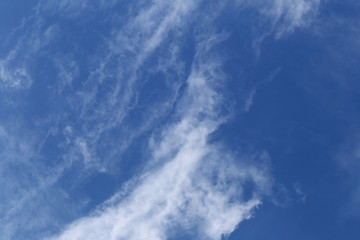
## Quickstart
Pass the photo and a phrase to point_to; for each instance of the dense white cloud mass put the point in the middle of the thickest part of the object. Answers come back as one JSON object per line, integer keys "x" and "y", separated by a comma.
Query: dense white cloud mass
{"x": 186, "y": 182}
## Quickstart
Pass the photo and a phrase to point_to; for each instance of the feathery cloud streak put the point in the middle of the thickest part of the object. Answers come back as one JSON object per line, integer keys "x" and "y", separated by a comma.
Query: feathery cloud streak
{"x": 198, "y": 185}
{"x": 192, "y": 188}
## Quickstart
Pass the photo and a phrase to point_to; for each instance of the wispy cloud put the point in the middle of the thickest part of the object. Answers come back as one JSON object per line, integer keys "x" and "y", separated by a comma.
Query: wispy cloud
{"x": 287, "y": 15}
{"x": 25, "y": 183}
{"x": 14, "y": 73}
{"x": 250, "y": 99}
{"x": 96, "y": 116}
{"x": 282, "y": 17}
{"x": 129, "y": 45}
{"x": 186, "y": 183}
{"x": 348, "y": 160}
{"x": 300, "y": 193}
{"x": 198, "y": 186}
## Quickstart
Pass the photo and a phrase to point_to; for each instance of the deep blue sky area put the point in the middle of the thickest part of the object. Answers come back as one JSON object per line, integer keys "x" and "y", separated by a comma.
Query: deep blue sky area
{"x": 182, "y": 119}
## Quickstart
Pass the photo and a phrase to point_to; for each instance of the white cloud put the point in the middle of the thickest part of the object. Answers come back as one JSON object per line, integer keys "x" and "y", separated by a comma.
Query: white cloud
{"x": 348, "y": 160}
{"x": 250, "y": 99}
{"x": 283, "y": 17}
{"x": 129, "y": 45}
{"x": 14, "y": 72}
{"x": 13, "y": 77}
{"x": 68, "y": 71}
{"x": 290, "y": 14}
{"x": 197, "y": 186}
{"x": 188, "y": 183}
{"x": 24, "y": 183}
{"x": 301, "y": 196}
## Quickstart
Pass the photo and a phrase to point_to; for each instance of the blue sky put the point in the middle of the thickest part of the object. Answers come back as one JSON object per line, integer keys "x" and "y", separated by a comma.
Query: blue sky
{"x": 182, "y": 119}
